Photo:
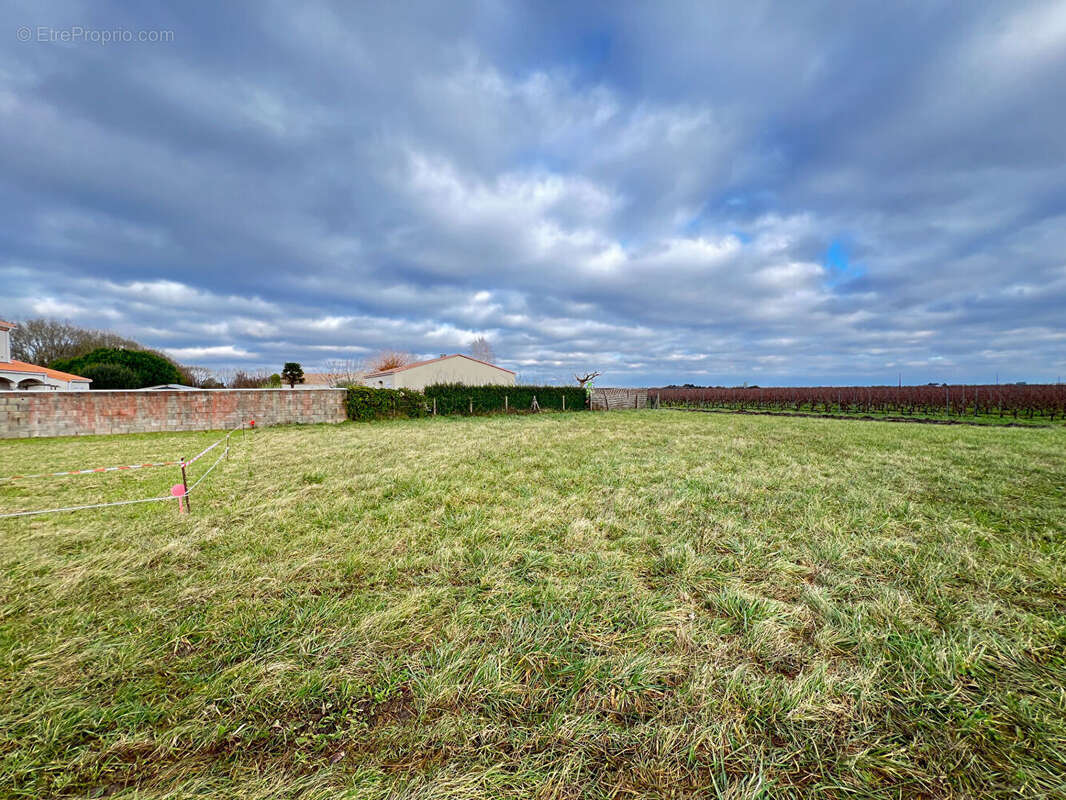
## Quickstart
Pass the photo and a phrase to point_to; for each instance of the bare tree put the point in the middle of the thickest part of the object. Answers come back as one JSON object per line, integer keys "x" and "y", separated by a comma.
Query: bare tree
{"x": 344, "y": 372}
{"x": 589, "y": 376}
{"x": 481, "y": 349}
{"x": 42, "y": 341}
{"x": 240, "y": 379}
{"x": 200, "y": 377}
{"x": 389, "y": 359}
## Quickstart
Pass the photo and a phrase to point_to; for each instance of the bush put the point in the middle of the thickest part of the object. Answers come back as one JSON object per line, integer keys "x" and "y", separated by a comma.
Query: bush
{"x": 365, "y": 403}
{"x": 253, "y": 380}
{"x": 149, "y": 369}
{"x": 454, "y": 398}
{"x": 111, "y": 376}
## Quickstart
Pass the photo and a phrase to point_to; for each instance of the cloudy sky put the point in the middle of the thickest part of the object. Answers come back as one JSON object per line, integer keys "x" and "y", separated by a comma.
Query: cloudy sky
{"x": 667, "y": 192}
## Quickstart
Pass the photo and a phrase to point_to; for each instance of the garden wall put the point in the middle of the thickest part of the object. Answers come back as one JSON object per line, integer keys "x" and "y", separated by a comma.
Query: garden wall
{"x": 26, "y": 414}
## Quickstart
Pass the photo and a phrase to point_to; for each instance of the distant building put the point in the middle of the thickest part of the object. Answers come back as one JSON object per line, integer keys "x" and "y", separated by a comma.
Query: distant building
{"x": 325, "y": 380}
{"x": 23, "y": 377}
{"x": 169, "y": 387}
{"x": 317, "y": 380}
{"x": 446, "y": 369}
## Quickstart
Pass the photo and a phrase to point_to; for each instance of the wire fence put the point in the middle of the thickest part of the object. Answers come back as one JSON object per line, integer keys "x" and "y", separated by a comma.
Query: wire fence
{"x": 179, "y": 492}
{"x": 92, "y": 471}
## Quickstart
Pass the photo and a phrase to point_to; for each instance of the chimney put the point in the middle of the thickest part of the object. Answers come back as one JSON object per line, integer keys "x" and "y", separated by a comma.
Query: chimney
{"x": 5, "y": 340}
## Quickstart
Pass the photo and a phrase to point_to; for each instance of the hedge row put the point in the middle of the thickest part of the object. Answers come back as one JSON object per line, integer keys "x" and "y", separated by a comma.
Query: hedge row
{"x": 119, "y": 368}
{"x": 455, "y": 398}
{"x": 365, "y": 403}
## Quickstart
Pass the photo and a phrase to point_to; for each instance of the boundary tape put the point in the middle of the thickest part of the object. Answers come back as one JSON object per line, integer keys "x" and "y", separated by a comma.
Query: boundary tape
{"x": 92, "y": 471}
{"x": 179, "y": 463}
{"x": 96, "y": 470}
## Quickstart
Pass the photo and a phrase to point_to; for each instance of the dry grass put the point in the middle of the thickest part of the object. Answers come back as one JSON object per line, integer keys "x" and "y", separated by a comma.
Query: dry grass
{"x": 626, "y": 604}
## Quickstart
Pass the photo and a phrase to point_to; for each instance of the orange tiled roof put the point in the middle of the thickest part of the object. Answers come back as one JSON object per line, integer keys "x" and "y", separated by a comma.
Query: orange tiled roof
{"x": 8, "y": 325}
{"x": 430, "y": 361}
{"x": 22, "y": 366}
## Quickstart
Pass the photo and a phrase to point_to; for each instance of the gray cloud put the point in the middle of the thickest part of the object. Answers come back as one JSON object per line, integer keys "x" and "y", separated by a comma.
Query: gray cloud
{"x": 652, "y": 193}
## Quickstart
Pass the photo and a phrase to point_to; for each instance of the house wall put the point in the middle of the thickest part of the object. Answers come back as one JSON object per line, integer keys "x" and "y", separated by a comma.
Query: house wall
{"x": 452, "y": 370}
{"x": 382, "y": 382}
{"x": 37, "y": 382}
{"x": 27, "y": 414}
{"x": 5, "y": 345}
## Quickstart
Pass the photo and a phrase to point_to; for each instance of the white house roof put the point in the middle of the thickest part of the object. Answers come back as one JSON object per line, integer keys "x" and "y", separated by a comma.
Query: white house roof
{"x": 394, "y": 370}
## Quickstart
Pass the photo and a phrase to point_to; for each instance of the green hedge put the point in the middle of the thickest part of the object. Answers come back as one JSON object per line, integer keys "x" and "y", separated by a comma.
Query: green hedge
{"x": 365, "y": 403}
{"x": 147, "y": 368}
{"x": 455, "y": 398}
{"x": 111, "y": 376}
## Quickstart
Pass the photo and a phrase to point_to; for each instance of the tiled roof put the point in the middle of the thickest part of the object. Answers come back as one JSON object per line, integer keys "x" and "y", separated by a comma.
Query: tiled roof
{"x": 22, "y": 366}
{"x": 7, "y": 325}
{"x": 394, "y": 370}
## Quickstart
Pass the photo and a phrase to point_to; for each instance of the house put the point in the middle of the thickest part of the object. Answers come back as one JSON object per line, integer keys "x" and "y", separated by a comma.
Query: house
{"x": 169, "y": 387}
{"x": 317, "y": 380}
{"x": 20, "y": 376}
{"x": 327, "y": 380}
{"x": 455, "y": 368}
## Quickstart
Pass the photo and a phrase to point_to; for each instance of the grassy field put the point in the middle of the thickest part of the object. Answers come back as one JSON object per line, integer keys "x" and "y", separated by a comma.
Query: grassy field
{"x": 587, "y": 605}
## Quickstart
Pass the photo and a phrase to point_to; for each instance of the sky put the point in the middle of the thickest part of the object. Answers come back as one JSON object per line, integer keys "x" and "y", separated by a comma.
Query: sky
{"x": 709, "y": 193}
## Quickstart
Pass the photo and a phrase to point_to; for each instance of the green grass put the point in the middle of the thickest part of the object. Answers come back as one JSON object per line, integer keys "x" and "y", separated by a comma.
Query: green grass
{"x": 584, "y": 605}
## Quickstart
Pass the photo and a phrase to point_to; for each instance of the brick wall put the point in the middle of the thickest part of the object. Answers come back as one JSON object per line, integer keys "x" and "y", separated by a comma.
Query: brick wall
{"x": 24, "y": 414}
{"x": 617, "y": 399}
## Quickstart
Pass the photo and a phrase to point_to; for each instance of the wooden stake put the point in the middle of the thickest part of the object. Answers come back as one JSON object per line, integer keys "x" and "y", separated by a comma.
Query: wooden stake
{"x": 505, "y": 404}
{"x": 564, "y": 402}
{"x": 434, "y": 406}
{"x": 185, "y": 483}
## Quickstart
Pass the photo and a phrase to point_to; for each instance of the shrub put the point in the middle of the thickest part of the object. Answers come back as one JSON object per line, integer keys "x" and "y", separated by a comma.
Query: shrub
{"x": 455, "y": 398}
{"x": 111, "y": 376}
{"x": 252, "y": 380}
{"x": 365, "y": 403}
{"x": 150, "y": 369}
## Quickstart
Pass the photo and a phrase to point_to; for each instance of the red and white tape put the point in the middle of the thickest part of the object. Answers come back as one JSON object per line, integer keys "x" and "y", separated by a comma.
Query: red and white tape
{"x": 178, "y": 463}
{"x": 184, "y": 494}
{"x": 93, "y": 470}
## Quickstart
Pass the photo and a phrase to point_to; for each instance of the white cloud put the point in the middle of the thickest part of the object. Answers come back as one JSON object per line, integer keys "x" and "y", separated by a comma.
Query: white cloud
{"x": 215, "y": 353}
{"x": 347, "y": 181}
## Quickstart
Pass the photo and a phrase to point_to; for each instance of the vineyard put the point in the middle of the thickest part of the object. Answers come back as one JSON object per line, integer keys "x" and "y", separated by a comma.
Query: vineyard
{"x": 1044, "y": 401}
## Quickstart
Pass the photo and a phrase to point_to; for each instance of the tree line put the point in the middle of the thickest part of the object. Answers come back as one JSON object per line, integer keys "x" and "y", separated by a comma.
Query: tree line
{"x": 112, "y": 361}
